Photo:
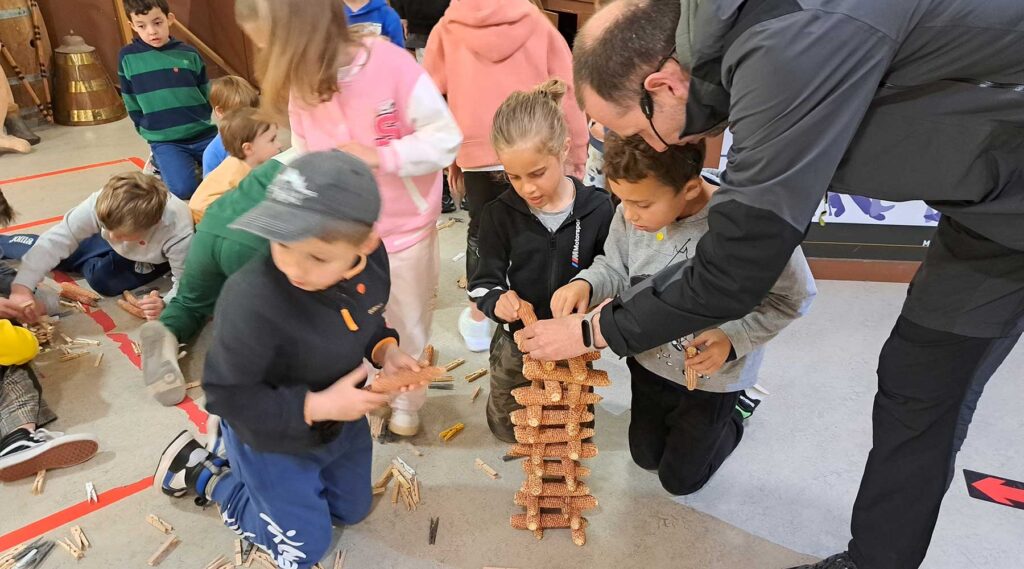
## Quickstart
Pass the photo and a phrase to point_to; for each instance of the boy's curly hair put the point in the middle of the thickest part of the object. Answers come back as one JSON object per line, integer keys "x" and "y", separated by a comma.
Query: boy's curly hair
{"x": 632, "y": 159}
{"x": 131, "y": 202}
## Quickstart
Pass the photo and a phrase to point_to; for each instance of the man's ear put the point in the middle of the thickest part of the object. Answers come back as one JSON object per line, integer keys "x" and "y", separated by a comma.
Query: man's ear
{"x": 671, "y": 79}
{"x": 692, "y": 188}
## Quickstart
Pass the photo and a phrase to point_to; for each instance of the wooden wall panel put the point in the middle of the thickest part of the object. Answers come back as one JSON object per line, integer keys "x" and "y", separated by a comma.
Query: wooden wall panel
{"x": 212, "y": 20}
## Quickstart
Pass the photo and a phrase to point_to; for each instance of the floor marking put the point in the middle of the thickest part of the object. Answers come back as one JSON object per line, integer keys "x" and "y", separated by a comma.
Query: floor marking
{"x": 69, "y": 170}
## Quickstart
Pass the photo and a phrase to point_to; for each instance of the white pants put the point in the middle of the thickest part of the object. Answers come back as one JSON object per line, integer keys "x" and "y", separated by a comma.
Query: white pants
{"x": 414, "y": 279}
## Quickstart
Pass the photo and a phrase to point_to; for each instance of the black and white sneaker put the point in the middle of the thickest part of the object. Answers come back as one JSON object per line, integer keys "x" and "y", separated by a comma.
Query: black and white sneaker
{"x": 186, "y": 465}
{"x": 746, "y": 405}
{"x": 839, "y": 561}
{"x": 24, "y": 453}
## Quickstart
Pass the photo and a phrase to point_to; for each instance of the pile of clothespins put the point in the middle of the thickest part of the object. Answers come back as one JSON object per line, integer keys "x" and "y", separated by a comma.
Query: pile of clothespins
{"x": 77, "y": 545}
{"x": 26, "y": 555}
{"x": 407, "y": 485}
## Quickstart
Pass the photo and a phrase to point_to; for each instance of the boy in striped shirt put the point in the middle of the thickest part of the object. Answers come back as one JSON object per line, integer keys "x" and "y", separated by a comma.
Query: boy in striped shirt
{"x": 167, "y": 93}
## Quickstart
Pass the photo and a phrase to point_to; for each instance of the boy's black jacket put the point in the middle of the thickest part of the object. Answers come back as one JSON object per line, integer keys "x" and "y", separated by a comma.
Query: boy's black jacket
{"x": 273, "y": 343}
{"x": 518, "y": 252}
{"x": 422, "y": 15}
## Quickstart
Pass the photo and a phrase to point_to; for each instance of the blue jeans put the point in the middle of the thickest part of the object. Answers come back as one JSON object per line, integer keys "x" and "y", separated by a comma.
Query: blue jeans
{"x": 178, "y": 163}
{"x": 107, "y": 272}
{"x": 285, "y": 503}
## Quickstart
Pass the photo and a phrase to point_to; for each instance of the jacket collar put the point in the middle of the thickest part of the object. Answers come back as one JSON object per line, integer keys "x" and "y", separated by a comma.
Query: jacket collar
{"x": 587, "y": 200}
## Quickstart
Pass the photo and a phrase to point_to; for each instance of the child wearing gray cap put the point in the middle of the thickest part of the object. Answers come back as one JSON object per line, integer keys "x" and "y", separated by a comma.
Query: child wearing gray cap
{"x": 286, "y": 328}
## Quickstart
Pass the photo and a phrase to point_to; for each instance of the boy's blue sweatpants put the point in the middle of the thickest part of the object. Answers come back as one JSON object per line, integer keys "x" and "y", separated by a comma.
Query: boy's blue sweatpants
{"x": 287, "y": 503}
{"x": 178, "y": 163}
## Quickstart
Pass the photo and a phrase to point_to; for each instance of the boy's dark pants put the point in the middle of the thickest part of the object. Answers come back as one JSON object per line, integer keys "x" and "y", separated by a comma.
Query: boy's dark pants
{"x": 287, "y": 503}
{"x": 683, "y": 435}
{"x": 507, "y": 374}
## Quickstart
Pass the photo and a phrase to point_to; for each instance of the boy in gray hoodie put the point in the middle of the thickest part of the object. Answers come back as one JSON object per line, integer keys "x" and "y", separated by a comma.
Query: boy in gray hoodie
{"x": 683, "y": 435}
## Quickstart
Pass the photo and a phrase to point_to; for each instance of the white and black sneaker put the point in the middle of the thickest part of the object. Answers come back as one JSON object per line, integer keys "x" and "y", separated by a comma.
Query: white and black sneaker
{"x": 186, "y": 465}
{"x": 160, "y": 369}
{"x": 24, "y": 453}
{"x": 214, "y": 437}
{"x": 838, "y": 561}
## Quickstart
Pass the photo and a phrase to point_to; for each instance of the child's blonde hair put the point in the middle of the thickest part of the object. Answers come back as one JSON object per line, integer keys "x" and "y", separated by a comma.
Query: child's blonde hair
{"x": 303, "y": 53}
{"x": 131, "y": 202}
{"x": 242, "y": 126}
{"x": 532, "y": 117}
{"x": 232, "y": 92}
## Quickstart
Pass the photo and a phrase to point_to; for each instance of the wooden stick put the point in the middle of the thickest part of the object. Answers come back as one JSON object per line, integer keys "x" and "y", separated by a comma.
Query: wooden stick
{"x": 203, "y": 48}
{"x": 476, "y": 375}
{"x": 339, "y": 559}
{"x": 166, "y": 548}
{"x": 24, "y": 81}
{"x": 37, "y": 485}
{"x": 487, "y": 469}
{"x": 416, "y": 490}
{"x": 193, "y": 385}
{"x": 218, "y": 562}
{"x": 394, "y": 497}
{"x": 476, "y": 392}
{"x": 80, "y": 537}
{"x": 99, "y": 359}
{"x": 454, "y": 364}
{"x": 66, "y": 545}
{"x": 159, "y": 524}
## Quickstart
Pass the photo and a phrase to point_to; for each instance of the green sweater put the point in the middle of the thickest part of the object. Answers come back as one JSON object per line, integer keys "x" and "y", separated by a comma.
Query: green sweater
{"x": 166, "y": 91}
{"x": 218, "y": 251}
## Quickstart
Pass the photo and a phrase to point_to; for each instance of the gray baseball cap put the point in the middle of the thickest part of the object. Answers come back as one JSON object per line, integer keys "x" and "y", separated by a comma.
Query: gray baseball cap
{"x": 317, "y": 192}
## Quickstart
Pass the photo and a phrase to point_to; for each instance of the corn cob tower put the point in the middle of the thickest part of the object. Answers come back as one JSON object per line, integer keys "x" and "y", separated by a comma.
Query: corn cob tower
{"x": 549, "y": 434}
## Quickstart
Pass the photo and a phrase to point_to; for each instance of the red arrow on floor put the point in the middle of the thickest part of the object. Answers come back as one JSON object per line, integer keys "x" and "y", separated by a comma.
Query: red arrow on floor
{"x": 997, "y": 489}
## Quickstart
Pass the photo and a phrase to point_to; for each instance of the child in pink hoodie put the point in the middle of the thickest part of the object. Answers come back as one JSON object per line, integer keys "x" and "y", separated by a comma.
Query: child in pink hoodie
{"x": 379, "y": 105}
{"x": 481, "y": 52}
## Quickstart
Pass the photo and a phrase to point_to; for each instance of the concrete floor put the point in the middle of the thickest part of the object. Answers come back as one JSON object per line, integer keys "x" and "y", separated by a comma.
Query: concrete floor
{"x": 787, "y": 489}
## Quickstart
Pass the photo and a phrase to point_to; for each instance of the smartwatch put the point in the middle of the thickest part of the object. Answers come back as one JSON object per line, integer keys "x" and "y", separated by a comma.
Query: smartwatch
{"x": 587, "y": 328}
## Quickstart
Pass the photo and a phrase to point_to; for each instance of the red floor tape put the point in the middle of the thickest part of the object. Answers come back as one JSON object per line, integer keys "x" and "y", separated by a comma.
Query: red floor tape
{"x": 70, "y": 514}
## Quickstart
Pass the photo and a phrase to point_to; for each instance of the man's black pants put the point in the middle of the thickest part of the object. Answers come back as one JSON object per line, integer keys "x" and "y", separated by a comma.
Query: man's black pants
{"x": 963, "y": 315}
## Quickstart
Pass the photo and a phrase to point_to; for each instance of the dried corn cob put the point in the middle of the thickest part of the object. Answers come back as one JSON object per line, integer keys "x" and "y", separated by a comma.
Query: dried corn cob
{"x": 556, "y": 469}
{"x": 132, "y": 309}
{"x": 529, "y": 317}
{"x": 691, "y": 374}
{"x": 553, "y": 390}
{"x": 429, "y": 356}
{"x": 532, "y": 369}
{"x": 75, "y": 293}
{"x": 528, "y": 396}
{"x": 557, "y": 450}
{"x": 566, "y": 417}
{"x": 533, "y": 435}
{"x": 404, "y": 378}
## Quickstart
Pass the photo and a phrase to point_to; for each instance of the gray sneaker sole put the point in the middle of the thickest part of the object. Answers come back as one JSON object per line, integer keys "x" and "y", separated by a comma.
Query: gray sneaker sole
{"x": 160, "y": 371}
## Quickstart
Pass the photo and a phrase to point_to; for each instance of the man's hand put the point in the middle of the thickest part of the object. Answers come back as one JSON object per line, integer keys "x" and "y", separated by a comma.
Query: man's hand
{"x": 573, "y": 297}
{"x": 26, "y": 304}
{"x": 507, "y": 307}
{"x": 714, "y": 347}
{"x": 363, "y": 152}
{"x": 343, "y": 401}
{"x": 561, "y": 338}
{"x": 152, "y": 305}
{"x": 10, "y": 309}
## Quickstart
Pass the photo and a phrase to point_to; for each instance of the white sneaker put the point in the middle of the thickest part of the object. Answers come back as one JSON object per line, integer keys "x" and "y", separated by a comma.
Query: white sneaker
{"x": 404, "y": 423}
{"x": 477, "y": 335}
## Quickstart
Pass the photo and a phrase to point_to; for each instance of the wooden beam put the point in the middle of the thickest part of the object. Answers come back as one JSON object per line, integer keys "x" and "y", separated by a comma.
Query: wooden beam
{"x": 124, "y": 25}
{"x": 204, "y": 49}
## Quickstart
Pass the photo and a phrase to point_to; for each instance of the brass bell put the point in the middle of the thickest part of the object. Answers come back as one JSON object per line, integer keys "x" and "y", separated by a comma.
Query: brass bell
{"x": 85, "y": 93}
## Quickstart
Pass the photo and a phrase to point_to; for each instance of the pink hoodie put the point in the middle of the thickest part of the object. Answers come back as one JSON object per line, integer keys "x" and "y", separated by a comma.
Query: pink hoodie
{"x": 481, "y": 52}
{"x": 386, "y": 100}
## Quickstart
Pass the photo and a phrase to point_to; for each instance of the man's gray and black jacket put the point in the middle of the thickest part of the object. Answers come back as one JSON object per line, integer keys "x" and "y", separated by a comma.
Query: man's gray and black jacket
{"x": 907, "y": 100}
{"x": 517, "y": 251}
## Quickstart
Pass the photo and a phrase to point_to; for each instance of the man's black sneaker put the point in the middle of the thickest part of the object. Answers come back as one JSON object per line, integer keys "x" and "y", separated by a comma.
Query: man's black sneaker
{"x": 447, "y": 202}
{"x": 186, "y": 465}
{"x": 840, "y": 561}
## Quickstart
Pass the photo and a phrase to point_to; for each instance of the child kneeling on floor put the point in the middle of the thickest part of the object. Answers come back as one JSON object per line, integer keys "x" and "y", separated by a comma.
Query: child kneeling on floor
{"x": 122, "y": 237}
{"x": 539, "y": 235}
{"x": 683, "y": 435}
{"x": 286, "y": 328}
